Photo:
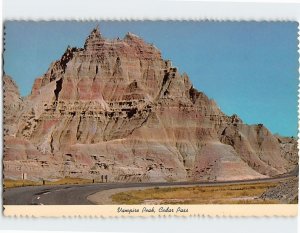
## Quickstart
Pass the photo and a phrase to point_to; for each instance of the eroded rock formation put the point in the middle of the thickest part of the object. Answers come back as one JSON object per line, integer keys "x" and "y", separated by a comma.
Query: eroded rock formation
{"x": 12, "y": 105}
{"x": 116, "y": 108}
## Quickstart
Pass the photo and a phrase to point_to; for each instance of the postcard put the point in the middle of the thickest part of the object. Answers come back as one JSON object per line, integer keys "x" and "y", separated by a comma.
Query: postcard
{"x": 150, "y": 118}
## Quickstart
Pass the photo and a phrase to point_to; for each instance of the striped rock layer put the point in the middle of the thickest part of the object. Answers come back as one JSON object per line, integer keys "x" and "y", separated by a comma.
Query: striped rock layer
{"x": 116, "y": 108}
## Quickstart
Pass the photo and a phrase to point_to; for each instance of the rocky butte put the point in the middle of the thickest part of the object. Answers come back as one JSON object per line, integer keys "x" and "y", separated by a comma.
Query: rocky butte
{"x": 116, "y": 108}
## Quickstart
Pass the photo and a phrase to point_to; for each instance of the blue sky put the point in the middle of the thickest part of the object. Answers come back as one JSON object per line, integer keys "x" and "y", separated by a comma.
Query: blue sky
{"x": 249, "y": 68}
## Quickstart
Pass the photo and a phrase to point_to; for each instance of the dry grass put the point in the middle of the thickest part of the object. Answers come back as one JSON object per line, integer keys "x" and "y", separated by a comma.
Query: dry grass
{"x": 69, "y": 181}
{"x": 224, "y": 194}
{"x": 19, "y": 183}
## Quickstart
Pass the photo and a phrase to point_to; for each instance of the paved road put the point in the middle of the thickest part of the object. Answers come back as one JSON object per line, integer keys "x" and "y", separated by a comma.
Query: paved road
{"x": 77, "y": 194}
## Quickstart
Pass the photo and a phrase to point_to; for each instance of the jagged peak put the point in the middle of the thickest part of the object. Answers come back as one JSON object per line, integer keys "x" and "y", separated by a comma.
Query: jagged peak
{"x": 130, "y": 35}
{"x": 94, "y": 35}
{"x": 133, "y": 38}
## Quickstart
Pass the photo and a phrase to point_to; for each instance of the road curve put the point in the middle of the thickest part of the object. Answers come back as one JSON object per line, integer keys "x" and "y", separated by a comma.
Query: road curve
{"x": 77, "y": 194}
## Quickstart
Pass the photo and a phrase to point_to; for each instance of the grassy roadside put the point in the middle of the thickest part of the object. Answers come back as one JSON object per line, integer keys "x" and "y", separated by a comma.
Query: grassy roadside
{"x": 223, "y": 194}
{"x": 8, "y": 183}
